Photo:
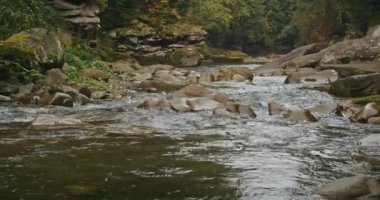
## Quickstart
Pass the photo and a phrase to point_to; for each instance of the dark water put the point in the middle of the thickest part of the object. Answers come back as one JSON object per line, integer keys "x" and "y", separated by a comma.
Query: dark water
{"x": 128, "y": 153}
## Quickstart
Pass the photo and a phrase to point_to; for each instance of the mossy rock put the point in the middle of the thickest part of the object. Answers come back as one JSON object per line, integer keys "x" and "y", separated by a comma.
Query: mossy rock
{"x": 223, "y": 56}
{"x": 182, "y": 29}
{"x": 186, "y": 57}
{"x": 33, "y": 49}
{"x": 366, "y": 100}
{"x": 137, "y": 28}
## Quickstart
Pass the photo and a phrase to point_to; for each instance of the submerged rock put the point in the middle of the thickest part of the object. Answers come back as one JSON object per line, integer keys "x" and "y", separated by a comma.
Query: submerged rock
{"x": 350, "y": 188}
{"x": 370, "y": 141}
{"x": 55, "y": 122}
{"x": 324, "y": 108}
{"x": 237, "y": 108}
{"x": 79, "y": 190}
{"x": 278, "y": 65}
{"x": 202, "y": 104}
{"x": 180, "y": 104}
{"x": 155, "y": 103}
{"x": 293, "y": 114}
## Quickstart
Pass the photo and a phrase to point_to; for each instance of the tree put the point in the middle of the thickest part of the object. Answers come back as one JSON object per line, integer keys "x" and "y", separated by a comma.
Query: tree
{"x": 18, "y": 15}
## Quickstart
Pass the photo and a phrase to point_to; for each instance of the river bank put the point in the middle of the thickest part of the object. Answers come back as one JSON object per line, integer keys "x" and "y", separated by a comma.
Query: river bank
{"x": 124, "y": 151}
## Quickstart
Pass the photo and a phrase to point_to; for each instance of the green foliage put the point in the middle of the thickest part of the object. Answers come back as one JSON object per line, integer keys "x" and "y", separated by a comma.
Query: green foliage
{"x": 19, "y": 15}
{"x": 34, "y": 75}
{"x": 80, "y": 57}
{"x": 366, "y": 100}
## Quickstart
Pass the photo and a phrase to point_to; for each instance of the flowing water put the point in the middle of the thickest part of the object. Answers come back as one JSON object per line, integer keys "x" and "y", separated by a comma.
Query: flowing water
{"x": 129, "y": 153}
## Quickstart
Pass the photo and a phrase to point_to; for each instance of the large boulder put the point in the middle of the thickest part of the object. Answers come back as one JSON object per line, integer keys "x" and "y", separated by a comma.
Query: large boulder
{"x": 186, "y": 57}
{"x": 350, "y": 188}
{"x": 55, "y": 77}
{"x": 277, "y": 66}
{"x": 347, "y": 51}
{"x": 214, "y": 55}
{"x": 357, "y": 86}
{"x": 33, "y": 49}
{"x": 368, "y": 111}
{"x": 352, "y": 69}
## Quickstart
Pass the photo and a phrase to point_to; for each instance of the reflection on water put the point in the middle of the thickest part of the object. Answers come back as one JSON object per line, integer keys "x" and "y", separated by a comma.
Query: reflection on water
{"x": 127, "y": 153}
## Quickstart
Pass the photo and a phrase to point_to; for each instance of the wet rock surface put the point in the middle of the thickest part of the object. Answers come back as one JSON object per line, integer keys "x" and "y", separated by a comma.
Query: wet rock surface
{"x": 352, "y": 187}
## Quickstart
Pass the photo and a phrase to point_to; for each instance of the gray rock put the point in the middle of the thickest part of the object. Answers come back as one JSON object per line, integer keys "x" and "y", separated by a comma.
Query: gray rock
{"x": 8, "y": 89}
{"x": 293, "y": 114}
{"x": 180, "y": 104}
{"x": 280, "y": 63}
{"x": 374, "y": 120}
{"x": 155, "y": 103}
{"x": 36, "y": 48}
{"x": 55, "y": 77}
{"x": 349, "y": 188}
{"x": 322, "y": 77}
{"x": 370, "y": 141}
{"x": 206, "y": 77}
{"x": 238, "y": 78}
{"x": 324, "y": 108}
{"x": 356, "y": 86}
{"x": 194, "y": 91}
{"x": 143, "y": 77}
{"x": 202, "y": 104}
{"x": 4, "y": 98}
{"x": 222, "y": 98}
{"x": 55, "y": 122}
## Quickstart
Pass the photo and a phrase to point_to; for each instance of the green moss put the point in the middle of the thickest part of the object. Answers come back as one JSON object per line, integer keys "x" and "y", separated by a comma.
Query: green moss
{"x": 33, "y": 75}
{"x": 18, "y": 49}
{"x": 107, "y": 52}
{"x": 136, "y": 28}
{"x": 20, "y": 40}
{"x": 179, "y": 28}
{"x": 366, "y": 100}
{"x": 223, "y": 55}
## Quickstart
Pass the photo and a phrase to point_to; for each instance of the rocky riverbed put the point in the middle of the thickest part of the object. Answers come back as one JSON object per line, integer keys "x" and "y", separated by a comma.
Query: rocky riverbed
{"x": 115, "y": 150}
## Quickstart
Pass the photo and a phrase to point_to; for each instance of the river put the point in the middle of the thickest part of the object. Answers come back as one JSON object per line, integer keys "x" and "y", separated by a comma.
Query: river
{"x": 130, "y": 153}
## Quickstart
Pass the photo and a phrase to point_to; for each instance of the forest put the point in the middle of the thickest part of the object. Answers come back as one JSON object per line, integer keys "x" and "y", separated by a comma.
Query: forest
{"x": 246, "y": 25}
